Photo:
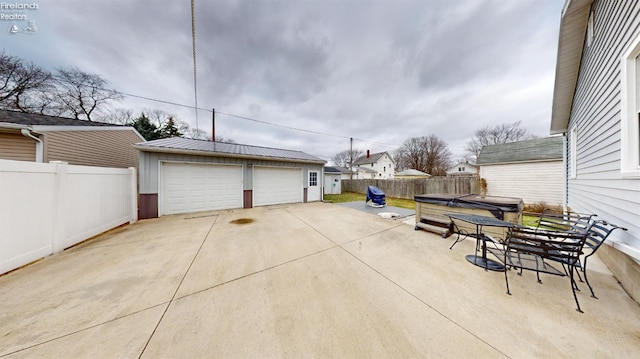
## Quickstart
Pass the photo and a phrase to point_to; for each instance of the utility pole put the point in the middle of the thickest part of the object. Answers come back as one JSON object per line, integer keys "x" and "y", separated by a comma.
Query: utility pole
{"x": 351, "y": 158}
{"x": 213, "y": 124}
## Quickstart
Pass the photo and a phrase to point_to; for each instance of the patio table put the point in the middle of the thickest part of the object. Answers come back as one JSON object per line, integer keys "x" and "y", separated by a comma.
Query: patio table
{"x": 479, "y": 222}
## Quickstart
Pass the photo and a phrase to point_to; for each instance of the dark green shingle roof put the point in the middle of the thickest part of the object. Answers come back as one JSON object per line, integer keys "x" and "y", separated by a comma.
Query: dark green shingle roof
{"x": 538, "y": 149}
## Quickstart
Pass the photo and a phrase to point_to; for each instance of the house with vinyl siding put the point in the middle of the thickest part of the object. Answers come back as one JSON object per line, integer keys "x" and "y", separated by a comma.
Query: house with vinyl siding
{"x": 41, "y": 138}
{"x": 596, "y": 106}
{"x": 375, "y": 165}
{"x": 530, "y": 169}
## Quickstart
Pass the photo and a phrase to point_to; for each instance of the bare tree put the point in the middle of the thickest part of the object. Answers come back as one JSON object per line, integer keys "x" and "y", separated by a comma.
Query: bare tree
{"x": 23, "y": 86}
{"x": 197, "y": 134}
{"x": 493, "y": 135}
{"x": 118, "y": 116}
{"x": 80, "y": 94}
{"x": 223, "y": 139}
{"x": 342, "y": 159}
{"x": 428, "y": 154}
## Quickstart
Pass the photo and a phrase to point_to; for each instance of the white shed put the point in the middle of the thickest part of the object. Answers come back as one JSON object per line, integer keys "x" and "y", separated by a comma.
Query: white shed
{"x": 332, "y": 180}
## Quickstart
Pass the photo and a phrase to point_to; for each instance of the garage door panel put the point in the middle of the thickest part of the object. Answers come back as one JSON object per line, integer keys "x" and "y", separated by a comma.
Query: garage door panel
{"x": 195, "y": 187}
{"x": 275, "y": 185}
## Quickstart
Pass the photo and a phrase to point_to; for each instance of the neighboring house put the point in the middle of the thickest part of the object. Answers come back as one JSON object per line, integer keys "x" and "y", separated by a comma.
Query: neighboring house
{"x": 376, "y": 165}
{"x": 345, "y": 173}
{"x": 531, "y": 170}
{"x": 332, "y": 180}
{"x": 463, "y": 169}
{"x": 41, "y": 138}
{"x": 179, "y": 175}
{"x": 364, "y": 172}
{"x": 412, "y": 174}
{"x": 595, "y": 105}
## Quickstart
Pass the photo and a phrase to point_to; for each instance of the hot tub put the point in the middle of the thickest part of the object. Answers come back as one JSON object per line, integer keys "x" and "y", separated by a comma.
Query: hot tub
{"x": 434, "y": 207}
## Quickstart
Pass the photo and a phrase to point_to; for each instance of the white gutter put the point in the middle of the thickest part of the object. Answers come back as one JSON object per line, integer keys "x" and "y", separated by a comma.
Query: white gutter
{"x": 39, "y": 145}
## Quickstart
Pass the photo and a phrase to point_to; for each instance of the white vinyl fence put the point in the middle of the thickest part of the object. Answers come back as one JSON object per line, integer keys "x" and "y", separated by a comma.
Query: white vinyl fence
{"x": 47, "y": 207}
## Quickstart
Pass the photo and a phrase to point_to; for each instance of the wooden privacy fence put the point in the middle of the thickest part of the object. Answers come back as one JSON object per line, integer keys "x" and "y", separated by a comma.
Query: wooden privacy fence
{"x": 407, "y": 188}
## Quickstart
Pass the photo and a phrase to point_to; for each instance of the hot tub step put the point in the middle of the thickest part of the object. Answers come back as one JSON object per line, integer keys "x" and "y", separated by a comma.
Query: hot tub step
{"x": 443, "y": 231}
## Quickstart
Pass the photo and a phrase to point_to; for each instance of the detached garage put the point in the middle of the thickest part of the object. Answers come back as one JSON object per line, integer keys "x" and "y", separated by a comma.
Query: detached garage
{"x": 179, "y": 175}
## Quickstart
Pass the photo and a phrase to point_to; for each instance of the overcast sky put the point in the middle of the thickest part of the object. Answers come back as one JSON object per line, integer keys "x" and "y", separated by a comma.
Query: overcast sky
{"x": 380, "y": 71}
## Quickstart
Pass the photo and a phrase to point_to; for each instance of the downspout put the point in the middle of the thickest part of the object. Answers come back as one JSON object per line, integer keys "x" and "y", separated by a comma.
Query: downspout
{"x": 39, "y": 145}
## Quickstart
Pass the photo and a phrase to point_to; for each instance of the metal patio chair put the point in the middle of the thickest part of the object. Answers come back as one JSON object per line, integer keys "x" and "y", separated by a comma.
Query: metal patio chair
{"x": 526, "y": 249}
{"x": 596, "y": 235}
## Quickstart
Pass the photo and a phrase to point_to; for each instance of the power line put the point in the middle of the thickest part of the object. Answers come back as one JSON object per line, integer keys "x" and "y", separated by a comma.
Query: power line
{"x": 254, "y": 120}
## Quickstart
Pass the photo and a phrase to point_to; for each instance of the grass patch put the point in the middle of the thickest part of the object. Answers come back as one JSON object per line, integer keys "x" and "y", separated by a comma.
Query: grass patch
{"x": 355, "y": 197}
{"x": 531, "y": 221}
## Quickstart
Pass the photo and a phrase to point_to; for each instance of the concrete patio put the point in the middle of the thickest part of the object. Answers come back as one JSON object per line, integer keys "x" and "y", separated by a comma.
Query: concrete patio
{"x": 306, "y": 280}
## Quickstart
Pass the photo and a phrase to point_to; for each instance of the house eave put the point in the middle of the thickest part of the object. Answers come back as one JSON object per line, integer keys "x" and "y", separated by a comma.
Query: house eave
{"x": 573, "y": 26}
{"x": 54, "y": 128}
{"x": 221, "y": 154}
{"x": 524, "y": 161}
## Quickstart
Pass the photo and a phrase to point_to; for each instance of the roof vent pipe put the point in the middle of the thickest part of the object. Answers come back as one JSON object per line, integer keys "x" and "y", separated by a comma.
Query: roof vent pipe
{"x": 39, "y": 146}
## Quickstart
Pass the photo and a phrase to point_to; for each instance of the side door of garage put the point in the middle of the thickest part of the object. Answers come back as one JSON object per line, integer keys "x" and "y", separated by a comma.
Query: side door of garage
{"x": 195, "y": 187}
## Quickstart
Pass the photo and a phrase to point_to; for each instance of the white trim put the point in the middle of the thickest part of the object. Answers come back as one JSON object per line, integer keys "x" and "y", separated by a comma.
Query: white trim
{"x": 573, "y": 138}
{"x": 590, "y": 31}
{"x": 629, "y": 131}
{"x": 565, "y": 176}
{"x": 625, "y": 248}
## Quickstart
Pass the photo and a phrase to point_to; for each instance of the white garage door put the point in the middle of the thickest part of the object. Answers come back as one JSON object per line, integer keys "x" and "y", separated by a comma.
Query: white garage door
{"x": 275, "y": 185}
{"x": 188, "y": 187}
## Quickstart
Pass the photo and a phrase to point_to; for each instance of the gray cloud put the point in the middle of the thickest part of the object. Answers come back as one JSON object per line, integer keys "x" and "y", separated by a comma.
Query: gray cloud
{"x": 379, "y": 71}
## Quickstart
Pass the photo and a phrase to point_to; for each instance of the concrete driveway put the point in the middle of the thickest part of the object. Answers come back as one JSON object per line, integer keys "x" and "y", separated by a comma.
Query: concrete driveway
{"x": 307, "y": 280}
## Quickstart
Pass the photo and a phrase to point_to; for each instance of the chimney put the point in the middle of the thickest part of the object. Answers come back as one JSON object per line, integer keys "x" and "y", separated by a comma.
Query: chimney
{"x": 367, "y": 153}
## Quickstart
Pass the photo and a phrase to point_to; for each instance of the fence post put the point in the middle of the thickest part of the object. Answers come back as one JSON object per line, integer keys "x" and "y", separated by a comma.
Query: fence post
{"x": 133, "y": 194}
{"x": 59, "y": 205}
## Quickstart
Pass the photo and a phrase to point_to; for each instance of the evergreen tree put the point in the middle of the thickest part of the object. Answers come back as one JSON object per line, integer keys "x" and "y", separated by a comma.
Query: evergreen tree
{"x": 146, "y": 128}
{"x": 170, "y": 129}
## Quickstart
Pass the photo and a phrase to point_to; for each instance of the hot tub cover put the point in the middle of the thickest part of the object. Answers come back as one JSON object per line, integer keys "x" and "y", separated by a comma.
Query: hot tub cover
{"x": 496, "y": 205}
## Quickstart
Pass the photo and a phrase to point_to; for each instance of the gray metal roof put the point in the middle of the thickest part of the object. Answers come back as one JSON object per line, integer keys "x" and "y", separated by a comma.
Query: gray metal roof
{"x": 223, "y": 149}
{"x": 538, "y": 149}
{"x": 332, "y": 170}
{"x": 34, "y": 119}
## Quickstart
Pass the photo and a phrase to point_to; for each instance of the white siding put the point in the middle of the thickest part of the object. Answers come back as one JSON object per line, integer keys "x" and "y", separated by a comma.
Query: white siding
{"x": 533, "y": 182}
{"x": 599, "y": 186}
